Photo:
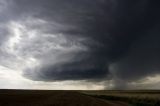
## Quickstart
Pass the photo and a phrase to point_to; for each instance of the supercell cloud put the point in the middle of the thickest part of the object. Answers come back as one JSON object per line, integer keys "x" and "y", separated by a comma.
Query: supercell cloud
{"x": 75, "y": 40}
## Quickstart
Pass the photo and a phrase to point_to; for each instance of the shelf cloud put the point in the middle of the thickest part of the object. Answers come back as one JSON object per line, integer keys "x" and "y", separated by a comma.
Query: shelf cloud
{"x": 81, "y": 40}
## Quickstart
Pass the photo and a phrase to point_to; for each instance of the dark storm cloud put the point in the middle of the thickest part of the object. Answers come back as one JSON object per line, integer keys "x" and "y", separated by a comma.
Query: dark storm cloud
{"x": 86, "y": 68}
{"x": 142, "y": 59}
{"x": 115, "y": 25}
{"x": 102, "y": 38}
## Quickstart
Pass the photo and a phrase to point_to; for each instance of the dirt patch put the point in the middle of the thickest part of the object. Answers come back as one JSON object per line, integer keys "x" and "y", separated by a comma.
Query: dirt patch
{"x": 51, "y": 98}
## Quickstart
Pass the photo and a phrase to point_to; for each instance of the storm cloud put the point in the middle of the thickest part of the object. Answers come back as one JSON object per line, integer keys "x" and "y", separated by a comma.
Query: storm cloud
{"x": 61, "y": 40}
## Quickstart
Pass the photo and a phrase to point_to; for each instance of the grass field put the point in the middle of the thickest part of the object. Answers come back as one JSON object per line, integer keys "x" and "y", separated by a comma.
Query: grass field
{"x": 78, "y": 98}
{"x": 136, "y": 98}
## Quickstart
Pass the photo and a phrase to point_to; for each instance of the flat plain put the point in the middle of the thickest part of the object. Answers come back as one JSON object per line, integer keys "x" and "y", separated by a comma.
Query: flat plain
{"x": 78, "y": 98}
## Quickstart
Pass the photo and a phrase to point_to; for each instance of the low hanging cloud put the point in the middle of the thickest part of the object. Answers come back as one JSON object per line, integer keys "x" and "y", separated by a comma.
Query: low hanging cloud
{"x": 59, "y": 40}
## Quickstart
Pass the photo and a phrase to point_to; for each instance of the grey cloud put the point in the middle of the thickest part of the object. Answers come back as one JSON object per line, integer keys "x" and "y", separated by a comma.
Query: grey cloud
{"x": 143, "y": 58}
{"x": 115, "y": 30}
{"x": 86, "y": 39}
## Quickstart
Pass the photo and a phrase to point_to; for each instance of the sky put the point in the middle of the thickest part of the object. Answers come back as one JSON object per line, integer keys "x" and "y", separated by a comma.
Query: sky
{"x": 79, "y": 44}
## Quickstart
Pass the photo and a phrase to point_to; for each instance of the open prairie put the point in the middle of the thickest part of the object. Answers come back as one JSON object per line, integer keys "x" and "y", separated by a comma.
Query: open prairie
{"x": 134, "y": 97}
{"x": 78, "y": 98}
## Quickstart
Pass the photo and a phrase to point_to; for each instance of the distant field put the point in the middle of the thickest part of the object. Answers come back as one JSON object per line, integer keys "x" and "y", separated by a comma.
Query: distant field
{"x": 134, "y": 97}
{"x": 123, "y": 93}
{"x": 78, "y": 98}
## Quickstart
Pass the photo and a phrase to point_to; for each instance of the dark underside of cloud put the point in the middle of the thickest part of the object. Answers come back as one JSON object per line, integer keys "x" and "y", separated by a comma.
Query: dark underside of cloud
{"x": 122, "y": 38}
